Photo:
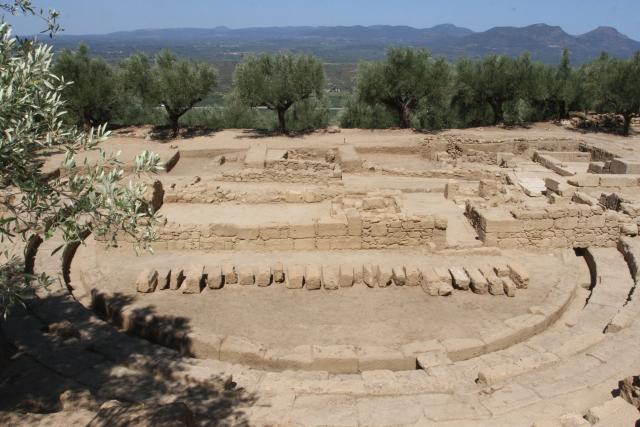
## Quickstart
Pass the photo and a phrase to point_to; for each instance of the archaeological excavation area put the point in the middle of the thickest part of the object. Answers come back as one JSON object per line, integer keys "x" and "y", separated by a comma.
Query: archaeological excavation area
{"x": 476, "y": 277}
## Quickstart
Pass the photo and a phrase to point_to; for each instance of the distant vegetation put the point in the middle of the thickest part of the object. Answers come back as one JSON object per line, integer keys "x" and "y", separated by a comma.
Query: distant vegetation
{"x": 409, "y": 88}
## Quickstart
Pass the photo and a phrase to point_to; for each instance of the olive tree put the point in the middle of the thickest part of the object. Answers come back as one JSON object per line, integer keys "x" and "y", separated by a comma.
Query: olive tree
{"x": 277, "y": 82}
{"x": 615, "y": 86}
{"x": 405, "y": 79}
{"x": 493, "y": 81}
{"x": 86, "y": 197}
{"x": 180, "y": 84}
{"x": 93, "y": 98}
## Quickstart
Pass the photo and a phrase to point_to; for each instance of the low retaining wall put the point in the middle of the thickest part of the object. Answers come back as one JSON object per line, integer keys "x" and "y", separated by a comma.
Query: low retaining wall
{"x": 310, "y": 176}
{"x": 572, "y": 226}
{"x": 351, "y": 231}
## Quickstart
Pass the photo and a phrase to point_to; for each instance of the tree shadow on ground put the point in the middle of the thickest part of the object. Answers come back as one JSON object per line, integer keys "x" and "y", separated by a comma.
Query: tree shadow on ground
{"x": 108, "y": 363}
{"x": 268, "y": 133}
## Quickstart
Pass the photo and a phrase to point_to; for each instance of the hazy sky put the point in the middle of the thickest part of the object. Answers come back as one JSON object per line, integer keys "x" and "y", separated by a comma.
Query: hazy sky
{"x": 103, "y": 16}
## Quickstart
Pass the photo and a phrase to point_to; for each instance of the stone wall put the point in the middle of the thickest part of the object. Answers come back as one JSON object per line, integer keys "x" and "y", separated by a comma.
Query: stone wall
{"x": 573, "y": 225}
{"x": 309, "y": 175}
{"x": 187, "y": 191}
{"x": 349, "y": 231}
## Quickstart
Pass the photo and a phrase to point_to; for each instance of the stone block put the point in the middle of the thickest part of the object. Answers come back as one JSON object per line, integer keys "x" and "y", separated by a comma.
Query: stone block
{"x": 304, "y": 244}
{"x": 624, "y": 166}
{"x": 421, "y": 347}
{"x": 478, "y": 283}
{"x": 295, "y": 277}
{"x": 331, "y": 226}
{"x": 354, "y": 223}
{"x": 147, "y": 281}
{"x": 224, "y": 230}
{"x": 509, "y": 287}
{"x": 501, "y": 269}
{"x": 278, "y": 272}
{"x": 279, "y": 244}
{"x": 215, "y": 278}
{"x": 165, "y": 276}
{"x": 256, "y": 156}
{"x": 399, "y": 275}
{"x": 460, "y": 279}
{"x": 335, "y": 359}
{"x": 245, "y": 276}
{"x": 194, "y": 280}
{"x": 584, "y": 180}
{"x": 463, "y": 348}
{"x": 240, "y": 350}
{"x": 444, "y": 275}
{"x": 371, "y": 358}
{"x": 370, "y": 275}
{"x": 313, "y": 277}
{"x": 430, "y": 281}
{"x": 263, "y": 275}
{"x": 298, "y": 358}
{"x": 618, "y": 181}
{"x": 433, "y": 359}
{"x": 451, "y": 189}
{"x": 372, "y": 203}
{"x": 519, "y": 275}
{"x": 379, "y": 230}
{"x": 302, "y": 231}
{"x": 177, "y": 279}
{"x": 445, "y": 289}
{"x": 346, "y": 278}
{"x": 230, "y": 274}
{"x": 330, "y": 278}
{"x": 385, "y": 276}
{"x": 414, "y": 277}
{"x": 349, "y": 242}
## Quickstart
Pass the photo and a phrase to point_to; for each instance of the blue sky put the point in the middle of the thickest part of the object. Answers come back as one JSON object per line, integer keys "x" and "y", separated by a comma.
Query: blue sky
{"x": 103, "y": 16}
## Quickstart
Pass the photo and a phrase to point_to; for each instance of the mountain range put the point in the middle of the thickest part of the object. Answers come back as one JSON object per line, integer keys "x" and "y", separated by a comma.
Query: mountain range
{"x": 341, "y": 47}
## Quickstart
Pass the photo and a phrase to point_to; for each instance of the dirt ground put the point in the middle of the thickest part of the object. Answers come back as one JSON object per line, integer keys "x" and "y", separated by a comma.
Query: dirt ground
{"x": 276, "y": 316}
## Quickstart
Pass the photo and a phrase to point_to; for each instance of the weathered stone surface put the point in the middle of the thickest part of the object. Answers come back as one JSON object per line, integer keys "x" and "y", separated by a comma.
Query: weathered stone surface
{"x": 263, "y": 275}
{"x": 414, "y": 276}
{"x": 230, "y": 275}
{"x": 295, "y": 277}
{"x": 430, "y": 281}
{"x": 370, "y": 275}
{"x": 479, "y": 284}
{"x": 519, "y": 275}
{"x": 241, "y": 350}
{"x": 336, "y": 359}
{"x": 509, "y": 287}
{"x": 215, "y": 279}
{"x": 460, "y": 278}
{"x": 330, "y": 278}
{"x": 346, "y": 278}
{"x": 372, "y": 358}
{"x": 245, "y": 276}
{"x": 385, "y": 276}
{"x": 313, "y": 277}
{"x": 615, "y": 412}
{"x": 194, "y": 280}
{"x": 147, "y": 281}
{"x": 463, "y": 348}
{"x": 277, "y": 272}
{"x": 399, "y": 276}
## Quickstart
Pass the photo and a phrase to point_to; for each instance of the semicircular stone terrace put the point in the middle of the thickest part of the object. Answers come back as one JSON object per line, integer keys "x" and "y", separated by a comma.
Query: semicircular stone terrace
{"x": 464, "y": 280}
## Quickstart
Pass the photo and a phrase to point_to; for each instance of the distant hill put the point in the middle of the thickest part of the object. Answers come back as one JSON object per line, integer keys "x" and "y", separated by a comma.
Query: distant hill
{"x": 342, "y": 47}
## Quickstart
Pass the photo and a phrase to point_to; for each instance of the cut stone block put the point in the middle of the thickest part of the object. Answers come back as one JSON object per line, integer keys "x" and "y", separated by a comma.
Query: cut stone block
{"x": 509, "y": 287}
{"x": 432, "y": 359}
{"x": 463, "y": 348}
{"x": 414, "y": 277}
{"x": 444, "y": 274}
{"x": 444, "y": 289}
{"x": 624, "y": 166}
{"x": 164, "y": 279}
{"x": 370, "y": 274}
{"x": 371, "y": 358}
{"x": 245, "y": 276}
{"x": 330, "y": 278}
{"x": 335, "y": 359}
{"x": 263, "y": 275}
{"x": 350, "y": 160}
{"x": 460, "y": 278}
{"x": 147, "y": 281}
{"x": 399, "y": 276}
{"x": 177, "y": 280}
{"x": 256, "y": 156}
{"x": 385, "y": 276}
{"x": 240, "y": 350}
{"x": 295, "y": 277}
{"x": 430, "y": 281}
{"x": 478, "y": 283}
{"x": 230, "y": 275}
{"x": 519, "y": 275}
{"x": 502, "y": 269}
{"x": 214, "y": 277}
{"x": 313, "y": 277}
{"x": 346, "y": 278}
{"x": 278, "y": 272}
{"x": 194, "y": 280}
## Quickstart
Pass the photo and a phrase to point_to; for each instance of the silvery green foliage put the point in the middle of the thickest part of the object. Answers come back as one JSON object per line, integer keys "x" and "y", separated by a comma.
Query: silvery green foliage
{"x": 86, "y": 197}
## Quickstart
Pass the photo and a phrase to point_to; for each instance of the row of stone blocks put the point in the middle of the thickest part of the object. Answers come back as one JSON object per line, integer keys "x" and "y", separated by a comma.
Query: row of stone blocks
{"x": 501, "y": 279}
